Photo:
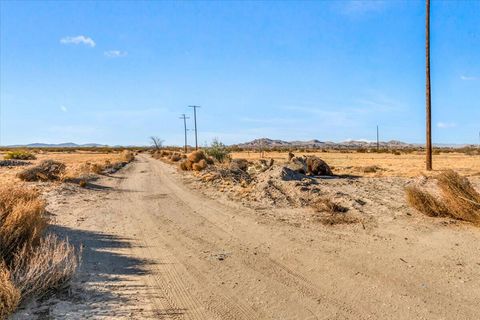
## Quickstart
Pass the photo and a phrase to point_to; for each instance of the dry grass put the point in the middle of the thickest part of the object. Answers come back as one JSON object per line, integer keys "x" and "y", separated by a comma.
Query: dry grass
{"x": 127, "y": 156}
{"x": 22, "y": 219}
{"x": 461, "y": 199}
{"x": 425, "y": 202}
{"x": 9, "y": 294}
{"x": 30, "y": 264}
{"x": 49, "y": 266}
{"x": 404, "y": 165}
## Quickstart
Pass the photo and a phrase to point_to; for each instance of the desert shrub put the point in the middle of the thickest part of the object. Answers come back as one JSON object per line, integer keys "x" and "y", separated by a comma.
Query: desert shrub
{"x": 186, "y": 165}
{"x": 317, "y": 166}
{"x": 425, "y": 202}
{"x": 48, "y": 266}
{"x": 22, "y": 219}
{"x": 202, "y": 164}
{"x": 127, "y": 156}
{"x": 20, "y": 155}
{"x": 196, "y": 156}
{"x": 175, "y": 157}
{"x": 218, "y": 151}
{"x": 461, "y": 199}
{"x": 9, "y": 294}
{"x": 45, "y": 171}
{"x": 30, "y": 264}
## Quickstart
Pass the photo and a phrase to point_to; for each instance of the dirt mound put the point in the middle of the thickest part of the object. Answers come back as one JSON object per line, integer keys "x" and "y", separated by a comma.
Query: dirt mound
{"x": 45, "y": 171}
{"x": 297, "y": 164}
{"x": 318, "y": 167}
{"x": 202, "y": 164}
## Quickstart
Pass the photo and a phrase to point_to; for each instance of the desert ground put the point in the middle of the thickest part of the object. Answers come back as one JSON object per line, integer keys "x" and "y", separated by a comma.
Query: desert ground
{"x": 160, "y": 243}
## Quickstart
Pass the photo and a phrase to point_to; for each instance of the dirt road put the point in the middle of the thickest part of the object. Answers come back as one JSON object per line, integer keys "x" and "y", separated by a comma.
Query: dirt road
{"x": 156, "y": 249}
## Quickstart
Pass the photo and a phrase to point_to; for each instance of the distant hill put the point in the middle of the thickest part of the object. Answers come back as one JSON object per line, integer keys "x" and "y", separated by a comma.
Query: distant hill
{"x": 59, "y": 145}
{"x": 265, "y": 143}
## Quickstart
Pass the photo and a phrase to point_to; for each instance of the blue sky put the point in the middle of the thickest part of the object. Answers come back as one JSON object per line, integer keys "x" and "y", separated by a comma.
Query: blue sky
{"x": 119, "y": 72}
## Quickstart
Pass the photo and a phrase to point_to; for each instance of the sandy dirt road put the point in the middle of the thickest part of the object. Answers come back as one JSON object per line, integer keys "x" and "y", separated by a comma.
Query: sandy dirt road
{"x": 156, "y": 249}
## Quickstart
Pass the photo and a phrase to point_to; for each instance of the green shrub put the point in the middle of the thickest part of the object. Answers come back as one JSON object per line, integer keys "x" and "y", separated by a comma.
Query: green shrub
{"x": 20, "y": 155}
{"x": 218, "y": 151}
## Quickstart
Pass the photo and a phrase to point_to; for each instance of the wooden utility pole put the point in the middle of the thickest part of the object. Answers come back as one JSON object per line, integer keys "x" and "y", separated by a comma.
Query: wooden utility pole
{"x": 428, "y": 147}
{"x": 195, "y": 119}
{"x": 378, "y": 141}
{"x": 184, "y": 117}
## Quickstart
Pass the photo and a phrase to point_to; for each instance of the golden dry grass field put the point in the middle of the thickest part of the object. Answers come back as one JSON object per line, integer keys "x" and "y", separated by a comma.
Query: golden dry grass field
{"x": 74, "y": 161}
{"x": 389, "y": 165}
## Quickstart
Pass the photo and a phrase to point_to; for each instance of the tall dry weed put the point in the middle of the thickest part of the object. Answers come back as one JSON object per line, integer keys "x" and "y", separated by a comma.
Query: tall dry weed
{"x": 425, "y": 202}
{"x": 461, "y": 199}
{"x": 9, "y": 295}
{"x": 22, "y": 219}
{"x": 48, "y": 266}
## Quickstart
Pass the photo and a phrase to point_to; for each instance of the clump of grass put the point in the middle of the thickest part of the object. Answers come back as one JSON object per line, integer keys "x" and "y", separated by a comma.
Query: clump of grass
{"x": 425, "y": 202}
{"x": 462, "y": 200}
{"x": 459, "y": 200}
{"x": 371, "y": 169}
{"x": 127, "y": 156}
{"x": 20, "y": 155}
{"x": 9, "y": 294}
{"x": 47, "y": 170}
{"x": 30, "y": 263}
{"x": 48, "y": 266}
{"x": 22, "y": 219}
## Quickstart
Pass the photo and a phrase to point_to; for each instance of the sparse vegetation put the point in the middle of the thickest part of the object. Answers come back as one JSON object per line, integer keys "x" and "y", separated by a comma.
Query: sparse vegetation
{"x": 19, "y": 155}
{"x": 425, "y": 202}
{"x": 330, "y": 212}
{"x": 47, "y": 170}
{"x": 218, "y": 151}
{"x": 459, "y": 199}
{"x": 30, "y": 263}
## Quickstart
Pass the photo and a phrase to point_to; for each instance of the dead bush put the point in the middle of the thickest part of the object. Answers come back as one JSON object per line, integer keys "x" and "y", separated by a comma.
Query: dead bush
{"x": 22, "y": 219}
{"x": 317, "y": 166}
{"x": 425, "y": 202}
{"x": 241, "y": 164}
{"x": 47, "y": 170}
{"x": 202, "y": 164}
{"x": 9, "y": 295}
{"x": 48, "y": 266}
{"x": 186, "y": 165}
{"x": 461, "y": 199}
{"x": 127, "y": 156}
{"x": 371, "y": 169}
{"x": 196, "y": 156}
{"x": 175, "y": 157}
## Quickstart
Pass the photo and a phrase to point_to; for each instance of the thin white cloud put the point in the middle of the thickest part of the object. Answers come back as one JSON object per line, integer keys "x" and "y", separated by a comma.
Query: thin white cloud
{"x": 78, "y": 40}
{"x": 468, "y": 78}
{"x": 63, "y": 108}
{"x": 445, "y": 125}
{"x": 115, "y": 53}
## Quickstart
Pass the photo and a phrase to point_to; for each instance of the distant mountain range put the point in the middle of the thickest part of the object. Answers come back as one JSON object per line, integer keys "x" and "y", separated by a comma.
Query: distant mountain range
{"x": 59, "y": 145}
{"x": 350, "y": 144}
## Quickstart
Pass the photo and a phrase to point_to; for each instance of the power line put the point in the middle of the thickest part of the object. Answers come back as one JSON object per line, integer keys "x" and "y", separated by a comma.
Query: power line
{"x": 184, "y": 117}
{"x": 195, "y": 120}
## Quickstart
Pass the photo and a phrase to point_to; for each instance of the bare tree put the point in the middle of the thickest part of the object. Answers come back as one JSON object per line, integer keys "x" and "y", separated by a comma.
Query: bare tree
{"x": 156, "y": 142}
{"x": 428, "y": 147}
